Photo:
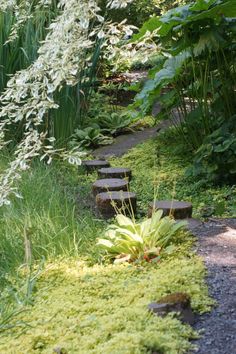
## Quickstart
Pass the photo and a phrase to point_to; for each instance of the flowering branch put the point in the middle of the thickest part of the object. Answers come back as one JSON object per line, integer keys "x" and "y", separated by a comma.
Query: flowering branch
{"x": 30, "y": 93}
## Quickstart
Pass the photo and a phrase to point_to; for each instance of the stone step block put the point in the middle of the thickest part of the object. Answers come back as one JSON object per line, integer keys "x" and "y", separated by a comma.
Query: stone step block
{"x": 111, "y": 203}
{"x": 115, "y": 172}
{"x": 109, "y": 184}
{"x": 179, "y": 210}
{"x": 94, "y": 165}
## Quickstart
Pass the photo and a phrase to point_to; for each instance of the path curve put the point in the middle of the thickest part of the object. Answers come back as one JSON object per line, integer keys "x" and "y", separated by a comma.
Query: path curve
{"x": 124, "y": 143}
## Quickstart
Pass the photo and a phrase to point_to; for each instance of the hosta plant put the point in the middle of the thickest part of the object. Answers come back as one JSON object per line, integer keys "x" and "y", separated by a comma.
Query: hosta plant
{"x": 128, "y": 240}
{"x": 114, "y": 122}
{"x": 90, "y": 137}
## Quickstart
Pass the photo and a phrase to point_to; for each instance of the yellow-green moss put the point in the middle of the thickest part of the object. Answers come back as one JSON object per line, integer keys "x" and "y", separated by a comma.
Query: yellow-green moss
{"x": 103, "y": 309}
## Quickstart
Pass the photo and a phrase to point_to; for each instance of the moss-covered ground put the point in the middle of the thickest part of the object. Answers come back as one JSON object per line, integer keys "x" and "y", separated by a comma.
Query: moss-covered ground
{"x": 77, "y": 303}
{"x": 103, "y": 309}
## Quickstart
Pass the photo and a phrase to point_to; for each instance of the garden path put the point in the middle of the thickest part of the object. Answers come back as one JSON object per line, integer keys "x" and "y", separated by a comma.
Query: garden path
{"x": 125, "y": 142}
{"x": 217, "y": 246}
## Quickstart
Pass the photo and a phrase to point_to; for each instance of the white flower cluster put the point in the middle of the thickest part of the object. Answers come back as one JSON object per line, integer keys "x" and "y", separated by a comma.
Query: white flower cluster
{"x": 30, "y": 93}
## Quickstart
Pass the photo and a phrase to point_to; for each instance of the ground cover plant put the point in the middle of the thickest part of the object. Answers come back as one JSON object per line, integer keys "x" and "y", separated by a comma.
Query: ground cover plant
{"x": 104, "y": 309}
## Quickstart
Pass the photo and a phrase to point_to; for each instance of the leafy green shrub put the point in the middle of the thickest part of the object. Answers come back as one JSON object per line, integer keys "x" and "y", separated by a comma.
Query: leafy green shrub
{"x": 216, "y": 158}
{"x": 129, "y": 241}
{"x": 196, "y": 78}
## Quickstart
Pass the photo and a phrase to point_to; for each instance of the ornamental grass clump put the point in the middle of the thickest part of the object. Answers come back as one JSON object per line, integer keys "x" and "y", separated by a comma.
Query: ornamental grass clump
{"x": 129, "y": 241}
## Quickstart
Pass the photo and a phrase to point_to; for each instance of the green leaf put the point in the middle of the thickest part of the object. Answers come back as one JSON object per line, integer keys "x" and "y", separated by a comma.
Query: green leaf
{"x": 200, "y": 5}
{"x": 123, "y": 220}
{"x": 226, "y": 9}
{"x": 105, "y": 243}
{"x": 150, "y": 25}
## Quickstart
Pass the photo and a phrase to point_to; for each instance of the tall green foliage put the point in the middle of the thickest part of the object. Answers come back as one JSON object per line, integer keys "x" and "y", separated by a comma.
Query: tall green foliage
{"x": 198, "y": 73}
{"x": 20, "y": 52}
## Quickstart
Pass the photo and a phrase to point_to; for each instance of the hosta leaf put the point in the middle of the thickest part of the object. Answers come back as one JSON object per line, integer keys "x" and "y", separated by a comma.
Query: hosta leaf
{"x": 111, "y": 234}
{"x": 145, "y": 227}
{"x": 123, "y": 220}
{"x": 105, "y": 243}
{"x": 156, "y": 217}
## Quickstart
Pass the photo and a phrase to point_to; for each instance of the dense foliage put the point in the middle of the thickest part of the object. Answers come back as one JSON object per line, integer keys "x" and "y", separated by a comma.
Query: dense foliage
{"x": 197, "y": 69}
{"x": 58, "y": 291}
{"x": 140, "y": 10}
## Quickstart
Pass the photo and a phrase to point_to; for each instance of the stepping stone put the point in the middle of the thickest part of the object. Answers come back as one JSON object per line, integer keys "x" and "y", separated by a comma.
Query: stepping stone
{"x": 115, "y": 172}
{"x": 111, "y": 203}
{"x": 110, "y": 184}
{"x": 179, "y": 210}
{"x": 176, "y": 302}
{"x": 93, "y": 165}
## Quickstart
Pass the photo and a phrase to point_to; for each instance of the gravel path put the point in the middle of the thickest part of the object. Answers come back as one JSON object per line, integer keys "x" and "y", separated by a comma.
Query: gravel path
{"x": 217, "y": 245}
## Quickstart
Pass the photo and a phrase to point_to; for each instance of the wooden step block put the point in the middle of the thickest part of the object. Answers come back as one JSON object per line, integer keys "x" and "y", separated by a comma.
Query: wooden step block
{"x": 179, "y": 210}
{"x": 115, "y": 172}
{"x": 93, "y": 165}
{"x": 109, "y": 184}
{"x": 111, "y": 203}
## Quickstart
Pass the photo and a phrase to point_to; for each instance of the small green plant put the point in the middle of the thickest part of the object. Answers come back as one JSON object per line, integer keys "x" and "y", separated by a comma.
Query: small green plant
{"x": 90, "y": 137}
{"x": 130, "y": 241}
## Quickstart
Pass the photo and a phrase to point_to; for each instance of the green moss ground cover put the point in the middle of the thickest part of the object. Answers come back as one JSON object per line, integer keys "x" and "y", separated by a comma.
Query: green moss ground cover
{"x": 77, "y": 301}
{"x": 103, "y": 309}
